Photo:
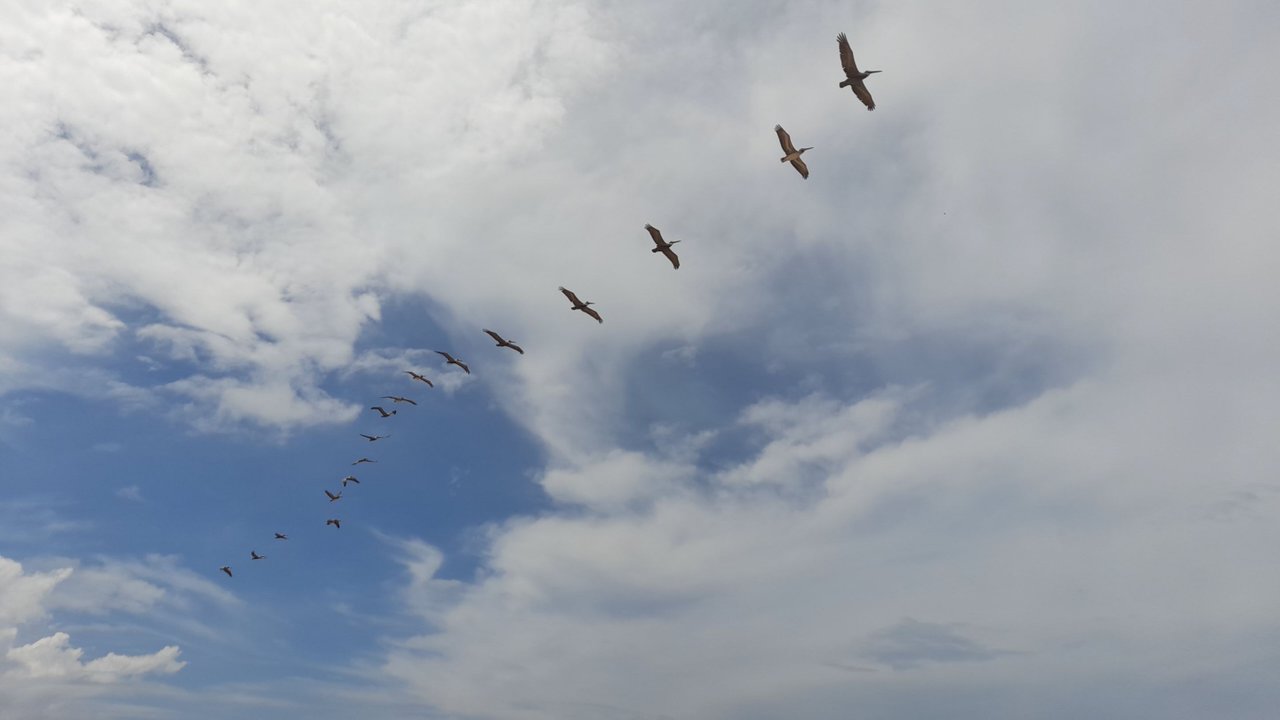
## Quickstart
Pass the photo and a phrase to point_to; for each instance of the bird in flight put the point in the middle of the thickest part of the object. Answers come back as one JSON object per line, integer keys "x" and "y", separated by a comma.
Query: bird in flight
{"x": 663, "y": 247}
{"x": 504, "y": 343}
{"x": 281, "y": 536}
{"x": 854, "y": 76}
{"x": 398, "y": 399}
{"x": 451, "y": 360}
{"x": 423, "y": 378}
{"x": 791, "y": 154}
{"x": 349, "y": 479}
{"x": 382, "y": 412}
{"x": 254, "y": 555}
{"x": 334, "y": 522}
{"x": 226, "y": 569}
{"x": 363, "y": 460}
{"x": 332, "y": 497}
{"x": 374, "y": 438}
{"x": 583, "y": 306}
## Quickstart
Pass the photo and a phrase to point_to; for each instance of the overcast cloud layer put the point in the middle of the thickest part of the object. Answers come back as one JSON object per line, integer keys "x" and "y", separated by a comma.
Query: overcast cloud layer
{"x": 976, "y": 422}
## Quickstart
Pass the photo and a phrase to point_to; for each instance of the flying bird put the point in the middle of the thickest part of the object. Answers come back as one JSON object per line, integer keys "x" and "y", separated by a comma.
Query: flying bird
{"x": 854, "y": 76}
{"x": 382, "y": 412}
{"x": 583, "y": 306}
{"x": 254, "y": 555}
{"x": 334, "y": 522}
{"x": 281, "y": 536}
{"x": 663, "y": 246}
{"x": 503, "y": 342}
{"x": 363, "y": 460}
{"x": 349, "y": 479}
{"x": 374, "y": 438}
{"x": 333, "y": 497}
{"x": 792, "y": 155}
{"x": 226, "y": 569}
{"x": 423, "y": 378}
{"x": 398, "y": 399}
{"x": 451, "y": 360}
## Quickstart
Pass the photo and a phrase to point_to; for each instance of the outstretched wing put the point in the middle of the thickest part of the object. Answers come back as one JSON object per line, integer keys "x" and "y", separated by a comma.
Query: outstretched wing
{"x": 496, "y": 337}
{"x": 515, "y": 347}
{"x": 846, "y": 57}
{"x": 671, "y": 255}
{"x": 860, "y": 90}
{"x": 801, "y": 168}
{"x": 656, "y": 235}
{"x": 593, "y": 314}
{"x": 785, "y": 139}
{"x": 574, "y": 298}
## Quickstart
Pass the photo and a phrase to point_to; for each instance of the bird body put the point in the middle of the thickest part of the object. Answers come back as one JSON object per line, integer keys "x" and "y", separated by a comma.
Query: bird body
{"x": 792, "y": 155}
{"x": 417, "y": 376}
{"x": 663, "y": 246}
{"x": 451, "y": 360}
{"x": 502, "y": 342}
{"x": 332, "y": 497}
{"x": 854, "y": 76}
{"x": 382, "y": 412}
{"x": 281, "y": 536}
{"x": 583, "y": 306}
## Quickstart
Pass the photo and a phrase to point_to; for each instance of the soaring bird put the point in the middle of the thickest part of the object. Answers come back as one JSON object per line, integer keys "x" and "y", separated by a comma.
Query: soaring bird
{"x": 451, "y": 360}
{"x": 398, "y": 399}
{"x": 792, "y": 155}
{"x": 853, "y": 75}
{"x": 226, "y": 569}
{"x": 363, "y": 460}
{"x": 502, "y": 343}
{"x": 382, "y": 412}
{"x": 281, "y": 536}
{"x": 254, "y": 555}
{"x": 349, "y": 479}
{"x": 374, "y": 438}
{"x": 334, "y": 522}
{"x": 663, "y": 246}
{"x": 332, "y": 497}
{"x": 423, "y": 378}
{"x": 583, "y": 306}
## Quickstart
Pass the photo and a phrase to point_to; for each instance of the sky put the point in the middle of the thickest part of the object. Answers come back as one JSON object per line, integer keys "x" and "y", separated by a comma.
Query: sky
{"x": 976, "y": 422}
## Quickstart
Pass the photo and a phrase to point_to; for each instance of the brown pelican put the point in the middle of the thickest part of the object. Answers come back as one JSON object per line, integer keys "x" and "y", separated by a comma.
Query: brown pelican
{"x": 226, "y": 569}
{"x": 281, "y": 536}
{"x": 423, "y": 378}
{"x": 854, "y": 77}
{"x": 504, "y": 343}
{"x": 451, "y": 360}
{"x": 332, "y": 497}
{"x": 663, "y": 246}
{"x": 398, "y": 399}
{"x": 374, "y": 438}
{"x": 364, "y": 460}
{"x": 349, "y": 479}
{"x": 334, "y": 522}
{"x": 254, "y": 555}
{"x": 792, "y": 155}
{"x": 382, "y": 412}
{"x": 583, "y": 306}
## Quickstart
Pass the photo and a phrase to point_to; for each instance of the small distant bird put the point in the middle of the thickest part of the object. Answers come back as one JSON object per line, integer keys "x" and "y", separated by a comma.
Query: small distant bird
{"x": 398, "y": 399}
{"x": 374, "y": 438}
{"x": 382, "y": 412}
{"x": 281, "y": 536}
{"x": 853, "y": 75}
{"x": 349, "y": 479}
{"x": 254, "y": 555}
{"x": 423, "y": 378}
{"x": 583, "y": 306}
{"x": 792, "y": 155}
{"x": 226, "y": 569}
{"x": 333, "y": 497}
{"x": 663, "y": 246}
{"x": 334, "y": 522}
{"x": 363, "y": 460}
{"x": 504, "y": 343}
{"x": 451, "y": 360}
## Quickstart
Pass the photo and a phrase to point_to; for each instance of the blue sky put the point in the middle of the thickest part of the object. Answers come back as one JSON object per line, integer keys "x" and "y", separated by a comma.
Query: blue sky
{"x": 975, "y": 422}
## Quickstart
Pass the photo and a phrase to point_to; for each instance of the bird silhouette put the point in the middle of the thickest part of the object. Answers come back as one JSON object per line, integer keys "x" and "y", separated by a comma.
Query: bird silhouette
{"x": 363, "y": 460}
{"x": 332, "y": 497}
{"x": 663, "y": 246}
{"x": 792, "y": 155}
{"x": 254, "y": 555}
{"x": 854, "y": 76}
{"x": 281, "y": 536}
{"x": 398, "y": 399}
{"x": 503, "y": 342}
{"x": 374, "y": 438}
{"x": 382, "y": 412}
{"x": 334, "y": 522}
{"x": 583, "y": 306}
{"x": 451, "y": 360}
{"x": 349, "y": 479}
{"x": 423, "y": 378}
{"x": 226, "y": 569}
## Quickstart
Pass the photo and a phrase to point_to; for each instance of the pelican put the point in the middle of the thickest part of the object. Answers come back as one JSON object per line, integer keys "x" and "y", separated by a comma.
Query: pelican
{"x": 583, "y": 306}
{"x": 281, "y": 536}
{"x": 382, "y": 412}
{"x": 854, "y": 76}
{"x": 364, "y": 460}
{"x": 398, "y": 399}
{"x": 334, "y": 522}
{"x": 663, "y": 246}
{"x": 332, "y": 497}
{"x": 254, "y": 555}
{"x": 349, "y": 479}
{"x": 503, "y": 342}
{"x": 451, "y": 360}
{"x": 374, "y": 438}
{"x": 792, "y": 154}
{"x": 423, "y": 378}
{"x": 226, "y": 569}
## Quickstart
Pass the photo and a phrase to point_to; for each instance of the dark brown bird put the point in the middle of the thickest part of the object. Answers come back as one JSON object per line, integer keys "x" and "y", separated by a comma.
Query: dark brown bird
{"x": 398, "y": 399}
{"x": 226, "y": 569}
{"x": 363, "y": 460}
{"x": 504, "y": 343}
{"x": 451, "y": 360}
{"x": 663, "y": 246}
{"x": 334, "y": 522}
{"x": 332, "y": 497}
{"x": 255, "y": 556}
{"x": 382, "y": 412}
{"x": 281, "y": 536}
{"x": 349, "y": 479}
{"x": 374, "y": 438}
{"x": 854, "y": 76}
{"x": 423, "y": 378}
{"x": 792, "y": 155}
{"x": 583, "y": 306}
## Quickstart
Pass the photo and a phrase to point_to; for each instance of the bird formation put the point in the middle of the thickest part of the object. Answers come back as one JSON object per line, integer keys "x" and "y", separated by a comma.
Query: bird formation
{"x": 853, "y": 80}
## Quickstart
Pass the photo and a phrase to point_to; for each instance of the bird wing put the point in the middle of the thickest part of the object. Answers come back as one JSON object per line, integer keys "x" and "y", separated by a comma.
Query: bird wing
{"x": 800, "y": 167}
{"x": 331, "y": 495}
{"x": 860, "y": 90}
{"x": 496, "y": 337}
{"x": 370, "y": 438}
{"x": 846, "y": 57}
{"x": 671, "y": 255}
{"x": 227, "y": 570}
{"x": 574, "y": 298}
{"x": 516, "y": 347}
{"x": 785, "y": 139}
{"x": 593, "y": 314}
{"x": 463, "y": 365}
{"x": 656, "y": 234}
{"x": 411, "y": 402}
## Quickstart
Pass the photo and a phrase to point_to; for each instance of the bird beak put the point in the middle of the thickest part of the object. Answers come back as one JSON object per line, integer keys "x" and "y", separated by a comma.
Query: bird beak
{"x": 872, "y": 71}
